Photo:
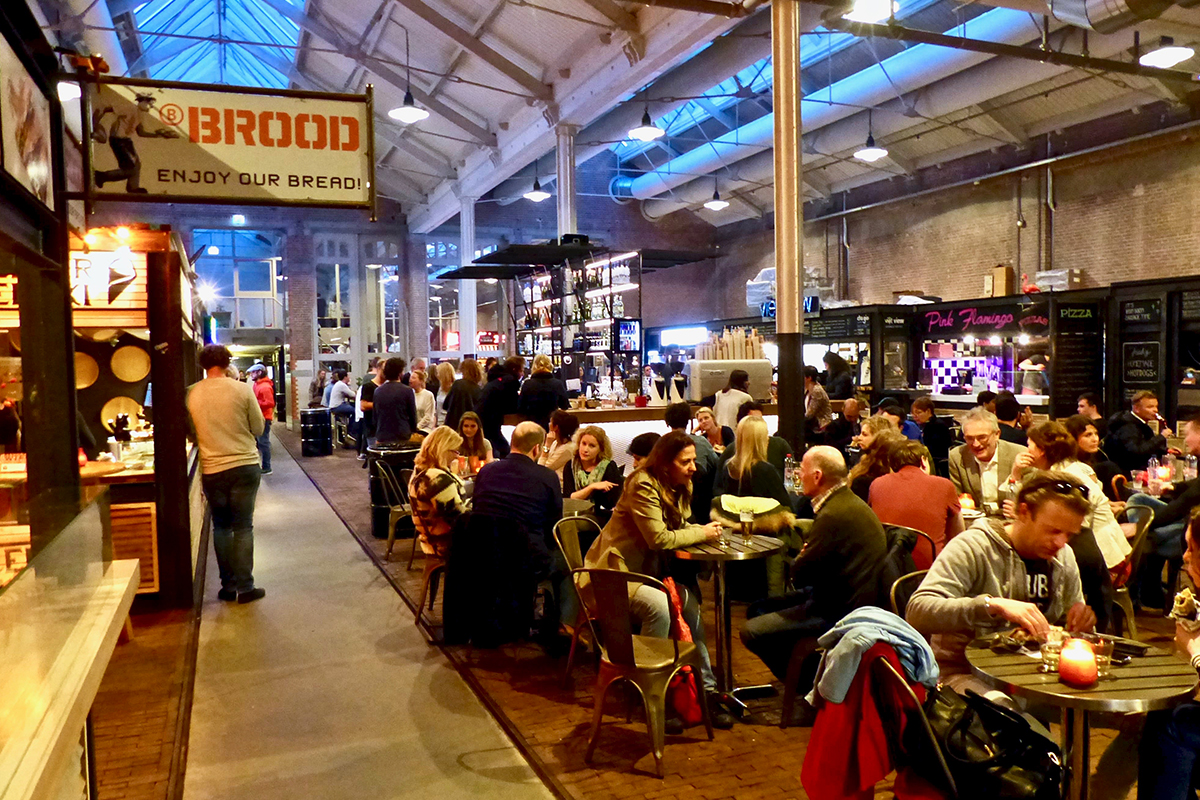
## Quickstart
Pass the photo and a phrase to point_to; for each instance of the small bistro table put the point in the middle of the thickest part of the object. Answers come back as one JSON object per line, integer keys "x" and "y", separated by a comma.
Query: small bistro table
{"x": 735, "y": 550}
{"x": 576, "y": 508}
{"x": 1158, "y": 680}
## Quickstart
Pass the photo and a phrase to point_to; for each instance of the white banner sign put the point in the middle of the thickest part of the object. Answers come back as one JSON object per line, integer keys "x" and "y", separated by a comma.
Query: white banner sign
{"x": 179, "y": 144}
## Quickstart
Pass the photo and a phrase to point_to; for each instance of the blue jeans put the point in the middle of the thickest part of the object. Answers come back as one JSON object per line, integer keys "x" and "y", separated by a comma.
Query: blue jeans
{"x": 231, "y": 497}
{"x": 1167, "y": 539}
{"x": 774, "y": 626}
{"x": 651, "y": 608}
{"x": 264, "y": 446}
{"x": 1169, "y": 747}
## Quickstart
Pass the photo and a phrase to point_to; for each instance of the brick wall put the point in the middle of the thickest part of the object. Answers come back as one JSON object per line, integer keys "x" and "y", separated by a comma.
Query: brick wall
{"x": 302, "y": 315}
{"x": 1120, "y": 215}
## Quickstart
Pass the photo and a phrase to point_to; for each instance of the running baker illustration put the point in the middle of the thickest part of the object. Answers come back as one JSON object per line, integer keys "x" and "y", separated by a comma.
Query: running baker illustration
{"x": 119, "y": 137}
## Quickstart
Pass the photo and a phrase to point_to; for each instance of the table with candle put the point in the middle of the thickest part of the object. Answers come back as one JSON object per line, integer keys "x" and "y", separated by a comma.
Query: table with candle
{"x": 1159, "y": 679}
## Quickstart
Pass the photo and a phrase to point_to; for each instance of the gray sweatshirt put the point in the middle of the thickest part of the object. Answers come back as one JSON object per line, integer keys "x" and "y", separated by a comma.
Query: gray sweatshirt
{"x": 950, "y": 602}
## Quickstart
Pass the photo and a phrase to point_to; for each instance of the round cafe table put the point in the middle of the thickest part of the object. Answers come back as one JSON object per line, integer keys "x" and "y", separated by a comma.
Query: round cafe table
{"x": 576, "y": 508}
{"x": 1158, "y": 680}
{"x": 735, "y": 550}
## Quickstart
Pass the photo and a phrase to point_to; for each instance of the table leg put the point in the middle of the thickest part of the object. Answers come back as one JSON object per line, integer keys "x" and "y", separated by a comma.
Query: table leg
{"x": 723, "y": 663}
{"x": 1076, "y": 736}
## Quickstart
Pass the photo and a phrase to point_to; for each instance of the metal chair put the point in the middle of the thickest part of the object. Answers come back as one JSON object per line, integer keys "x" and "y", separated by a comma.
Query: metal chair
{"x": 434, "y": 567}
{"x": 921, "y": 537}
{"x": 903, "y": 589}
{"x": 395, "y": 494}
{"x": 885, "y": 672}
{"x": 647, "y": 662}
{"x": 566, "y": 534}
{"x": 1121, "y": 599}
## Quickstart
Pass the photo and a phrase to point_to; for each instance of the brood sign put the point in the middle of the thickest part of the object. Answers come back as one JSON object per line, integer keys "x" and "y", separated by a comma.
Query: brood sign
{"x": 171, "y": 142}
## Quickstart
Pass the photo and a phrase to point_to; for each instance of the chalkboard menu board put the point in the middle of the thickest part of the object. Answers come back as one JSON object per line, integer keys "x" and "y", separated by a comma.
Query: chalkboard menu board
{"x": 1141, "y": 312}
{"x": 857, "y": 326}
{"x": 1189, "y": 308}
{"x": 1078, "y": 367}
{"x": 1141, "y": 362}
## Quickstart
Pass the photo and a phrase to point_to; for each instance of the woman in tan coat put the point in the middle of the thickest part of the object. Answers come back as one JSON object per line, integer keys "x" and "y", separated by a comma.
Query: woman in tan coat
{"x": 652, "y": 516}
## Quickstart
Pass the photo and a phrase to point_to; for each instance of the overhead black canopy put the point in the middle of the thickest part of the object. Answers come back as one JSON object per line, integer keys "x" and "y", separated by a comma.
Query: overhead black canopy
{"x": 519, "y": 260}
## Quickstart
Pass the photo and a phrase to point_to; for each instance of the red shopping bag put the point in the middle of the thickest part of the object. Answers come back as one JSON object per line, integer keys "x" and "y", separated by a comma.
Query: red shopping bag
{"x": 683, "y": 694}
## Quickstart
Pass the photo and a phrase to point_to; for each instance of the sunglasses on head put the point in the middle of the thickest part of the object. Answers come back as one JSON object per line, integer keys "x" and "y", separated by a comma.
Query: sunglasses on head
{"x": 1066, "y": 488}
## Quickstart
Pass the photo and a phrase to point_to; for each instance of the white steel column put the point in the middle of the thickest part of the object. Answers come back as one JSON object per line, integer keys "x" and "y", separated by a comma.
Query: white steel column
{"x": 467, "y": 313}
{"x": 565, "y": 163}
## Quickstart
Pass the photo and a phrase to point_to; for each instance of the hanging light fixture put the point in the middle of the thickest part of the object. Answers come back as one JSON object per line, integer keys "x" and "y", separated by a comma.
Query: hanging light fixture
{"x": 716, "y": 204}
{"x": 537, "y": 194}
{"x": 870, "y": 153}
{"x": 871, "y": 11}
{"x": 1166, "y": 55}
{"x": 409, "y": 112}
{"x": 647, "y": 131}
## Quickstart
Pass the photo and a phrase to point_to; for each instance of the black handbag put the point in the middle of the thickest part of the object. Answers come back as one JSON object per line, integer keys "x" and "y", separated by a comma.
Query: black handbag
{"x": 992, "y": 752}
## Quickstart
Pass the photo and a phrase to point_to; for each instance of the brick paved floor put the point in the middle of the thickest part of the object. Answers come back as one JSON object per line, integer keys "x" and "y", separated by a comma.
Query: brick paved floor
{"x": 136, "y": 713}
{"x": 755, "y": 760}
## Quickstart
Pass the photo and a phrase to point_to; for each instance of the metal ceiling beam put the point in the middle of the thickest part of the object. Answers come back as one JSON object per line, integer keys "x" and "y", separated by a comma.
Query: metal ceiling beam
{"x": 714, "y": 7}
{"x": 901, "y": 33}
{"x": 1008, "y": 129}
{"x": 614, "y": 14}
{"x": 720, "y": 116}
{"x": 383, "y": 125}
{"x": 155, "y": 54}
{"x": 473, "y": 45}
{"x": 460, "y": 53}
{"x": 385, "y": 72}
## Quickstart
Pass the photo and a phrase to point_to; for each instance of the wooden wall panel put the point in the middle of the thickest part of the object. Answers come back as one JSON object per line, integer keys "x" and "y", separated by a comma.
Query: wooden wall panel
{"x": 135, "y": 535}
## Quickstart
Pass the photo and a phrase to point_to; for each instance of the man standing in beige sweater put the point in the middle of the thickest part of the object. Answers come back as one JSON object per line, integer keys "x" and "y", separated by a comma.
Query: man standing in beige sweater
{"x": 226, "y": 420}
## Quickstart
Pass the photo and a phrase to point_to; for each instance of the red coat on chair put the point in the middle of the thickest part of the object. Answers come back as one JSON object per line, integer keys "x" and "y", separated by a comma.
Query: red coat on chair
{"x": 850, "y": 749}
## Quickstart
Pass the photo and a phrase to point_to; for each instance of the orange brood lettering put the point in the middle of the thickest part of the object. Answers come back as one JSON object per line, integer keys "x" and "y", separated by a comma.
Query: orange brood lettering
{"x": 277, "y": 129}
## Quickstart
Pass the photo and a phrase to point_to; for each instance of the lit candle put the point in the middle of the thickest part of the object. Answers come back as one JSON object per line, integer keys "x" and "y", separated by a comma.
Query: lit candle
{"x": 1077, "y": 664}
{"x": 966, "y": 502}
{"x": 83, "y": 459}
{"x": 1164, "y": 473}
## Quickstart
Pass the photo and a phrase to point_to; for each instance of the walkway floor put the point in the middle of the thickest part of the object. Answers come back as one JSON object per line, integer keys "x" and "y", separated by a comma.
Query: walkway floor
{"x": 325, "y": 688}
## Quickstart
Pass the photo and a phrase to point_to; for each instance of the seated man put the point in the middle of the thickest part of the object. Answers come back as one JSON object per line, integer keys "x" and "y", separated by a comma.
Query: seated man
{"x": 838, "y": 567}
{"x": 518, "y": 488}
{"x": 980, "y": 466}
{"x": 892, "y": 410}
{"x": 1171, "y": 515}
{"x": 935, "y": 434}
{"x": 1131, "y": 442}
{"x": 994, "y": 577}
{"x": 1008, "y": 412}
{"x": 845, "y": 426}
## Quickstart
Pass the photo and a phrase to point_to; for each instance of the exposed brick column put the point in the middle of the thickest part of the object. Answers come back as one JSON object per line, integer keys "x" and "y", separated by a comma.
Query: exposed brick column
{"x": 301, "y": 318}
{"x": 414, "y": 292}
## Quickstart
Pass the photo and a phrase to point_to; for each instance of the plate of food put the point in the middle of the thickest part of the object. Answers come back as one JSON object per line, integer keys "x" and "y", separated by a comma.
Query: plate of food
{"x": 1014, "y": 641}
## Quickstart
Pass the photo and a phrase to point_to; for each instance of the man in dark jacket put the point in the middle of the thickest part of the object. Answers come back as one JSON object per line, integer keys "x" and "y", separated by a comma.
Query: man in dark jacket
{"x": 542, "y": 393}
{"x": 1131, "y": 442}
{"x": 500, "y": 397}
{"x": 1171, "y": 515}
{"x": 518, "y": 488}
{"x": 1008, "y": 410}
{"x": 395, "y": 407}
{"x": 845, "y": 426}
{"x": 935, "y": 434}
{"x": 838, "y": 567}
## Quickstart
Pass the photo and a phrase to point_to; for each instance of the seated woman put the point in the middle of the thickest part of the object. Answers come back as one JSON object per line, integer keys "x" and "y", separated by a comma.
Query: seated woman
{"x": 475, "y": 446}
{"x": 1087, "y": 450}
{"x": 592, "y": 474}
{"x": 718, "y": 436}
{"x": 650, "y": 517}
{"x": 749, "y": 474}
{"x": 1171, "y": 740}
{"x": 559, "y": 448}
{"x": 436, "y": 493}
{"x": 879, "y": 433}
{"x": 1101, "y": 546}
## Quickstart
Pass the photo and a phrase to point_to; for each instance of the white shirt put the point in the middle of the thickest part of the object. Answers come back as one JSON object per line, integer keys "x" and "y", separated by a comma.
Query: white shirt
{"x": 989, "y": 483}
{"x": 342, "y": 393}
{"x": 426, "y": 411}
{"x": 726, "y": 407}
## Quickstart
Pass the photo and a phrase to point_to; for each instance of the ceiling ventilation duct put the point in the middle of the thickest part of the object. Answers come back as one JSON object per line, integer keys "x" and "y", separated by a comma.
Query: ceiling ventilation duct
{"x": 1102, "y": 16}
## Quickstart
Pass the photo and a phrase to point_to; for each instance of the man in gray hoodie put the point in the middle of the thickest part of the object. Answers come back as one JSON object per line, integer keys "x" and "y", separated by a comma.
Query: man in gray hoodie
{"x": 989, "y": 579}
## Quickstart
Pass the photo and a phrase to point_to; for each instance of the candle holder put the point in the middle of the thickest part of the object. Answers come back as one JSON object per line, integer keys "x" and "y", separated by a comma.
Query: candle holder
{"x": 1077, "y": 664}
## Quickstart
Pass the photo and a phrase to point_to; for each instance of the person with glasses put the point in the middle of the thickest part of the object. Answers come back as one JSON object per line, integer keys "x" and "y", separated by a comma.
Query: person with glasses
{"x": 979, "y": 467}
{"x": 995, "y": 576}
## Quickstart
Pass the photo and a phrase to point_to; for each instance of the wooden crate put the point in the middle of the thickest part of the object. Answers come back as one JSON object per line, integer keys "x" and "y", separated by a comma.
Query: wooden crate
{"x": 135, "y": 535}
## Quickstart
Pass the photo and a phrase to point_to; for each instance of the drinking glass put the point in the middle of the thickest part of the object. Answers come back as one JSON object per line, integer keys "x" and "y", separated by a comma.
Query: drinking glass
{"x": 747, "y": 520}
{"x": 1102, "y": 646}
{"x": 1052, "y": 649}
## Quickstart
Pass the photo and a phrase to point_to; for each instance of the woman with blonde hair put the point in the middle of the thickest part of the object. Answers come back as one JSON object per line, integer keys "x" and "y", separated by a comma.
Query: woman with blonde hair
{"x": 464, "y": 393}
{"x": 592, "y": 473}
{"x": 719, "y": 436}
{"x": 444, "y": 372}
{"x": 475, "y": 447}
{"x": 542, "y": 394}
{"x": 435, "y": 492}
{"x": 748, "y": 473}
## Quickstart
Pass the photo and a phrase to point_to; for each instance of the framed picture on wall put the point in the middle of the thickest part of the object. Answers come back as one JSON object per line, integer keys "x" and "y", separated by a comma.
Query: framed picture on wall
{"x": 24, "y": 127}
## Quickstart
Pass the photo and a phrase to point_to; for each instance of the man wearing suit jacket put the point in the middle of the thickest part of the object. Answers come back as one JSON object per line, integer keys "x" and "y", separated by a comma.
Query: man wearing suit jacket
{"x": 838, "y": 567}
{"x": 982, "y": 465}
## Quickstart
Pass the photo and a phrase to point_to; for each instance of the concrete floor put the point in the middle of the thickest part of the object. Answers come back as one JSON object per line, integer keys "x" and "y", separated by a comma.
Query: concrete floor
{"x": 325, "y": 689}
